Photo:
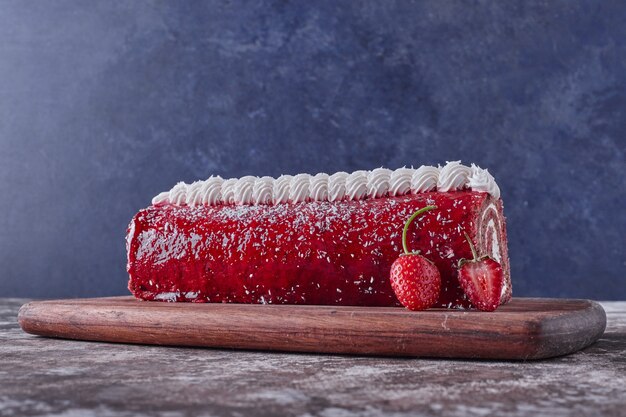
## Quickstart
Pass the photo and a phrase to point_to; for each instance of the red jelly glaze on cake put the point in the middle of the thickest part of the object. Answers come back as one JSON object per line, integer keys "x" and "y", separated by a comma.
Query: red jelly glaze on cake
{"x": 308, "y": 253}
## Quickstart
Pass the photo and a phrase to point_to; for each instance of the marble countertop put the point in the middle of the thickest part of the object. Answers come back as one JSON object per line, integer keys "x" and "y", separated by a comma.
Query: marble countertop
{"x": 41, "y": 376}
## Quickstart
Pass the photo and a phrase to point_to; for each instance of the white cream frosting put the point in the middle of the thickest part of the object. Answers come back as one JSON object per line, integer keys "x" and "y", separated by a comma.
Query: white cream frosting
{"x": 378, "y": 182}
{"x": 453, "y": 176}
{"x": 178, "y": 194}
{"x": 337, "y": 186}
{"x": 262, "y": 191}
{"x": 161, "y": 198}
{"x": 319, "y": 187}
{"x": 357, "y": 185}
{"x": 300, "y": 185}
{"x": 243, "y": 190}
{"x": 282, "y": 186}
{"x": 212, "y": 191}
{"x": 194, "y": 191}
{"x": 400, "y": 181}
{"x": 228, "y": 191}
{"x": 424, "y": 179}
{"x": 482, "y": 180}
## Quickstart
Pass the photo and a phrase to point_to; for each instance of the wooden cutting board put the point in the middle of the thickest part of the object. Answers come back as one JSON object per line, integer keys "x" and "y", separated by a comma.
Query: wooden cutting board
{"x": 525, "y": 328}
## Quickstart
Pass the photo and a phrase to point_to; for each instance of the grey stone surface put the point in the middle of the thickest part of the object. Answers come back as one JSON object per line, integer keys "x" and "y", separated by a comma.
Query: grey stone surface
{"x": 104, "y": 104}
{"x": 41, "y": 376}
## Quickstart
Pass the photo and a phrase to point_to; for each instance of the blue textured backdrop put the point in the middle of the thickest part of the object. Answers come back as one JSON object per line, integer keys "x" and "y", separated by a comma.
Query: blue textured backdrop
{"x": 104, "y": 104}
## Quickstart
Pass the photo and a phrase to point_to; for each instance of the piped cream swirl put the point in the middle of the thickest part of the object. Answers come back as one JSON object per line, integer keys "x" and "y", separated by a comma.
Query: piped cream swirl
{"x": 482, "y": 180}
{"x": 424, "y": 179}
{"x": 228, "y": 191}
{"x": 319, "y": 187}
{"x": 400, "y": 181}
{"x": 178, "y": 194}
{"x": 194, "y": 193}
{"x": 453, "y": 176}
{"x": 337, "y": 186}
{"x": 300, "y": 185}
{"x": 243, "y": 190}
{"x": 161, "y": 198}
{"x": 282, "y": 185}
{"x": 378, "y": 182}
{"x": 212, "y": 191}
{"x": 357, "y": 185}
{"x": 262, "y": 190}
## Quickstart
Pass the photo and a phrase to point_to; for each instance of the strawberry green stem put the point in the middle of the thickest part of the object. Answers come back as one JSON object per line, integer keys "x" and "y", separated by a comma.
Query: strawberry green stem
{"x": 474, "y": 254}
{"x": 408, "y": 223}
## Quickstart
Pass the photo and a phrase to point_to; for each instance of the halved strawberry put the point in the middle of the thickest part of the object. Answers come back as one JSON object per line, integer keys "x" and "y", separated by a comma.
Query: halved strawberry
{"x": 481, "y": 279}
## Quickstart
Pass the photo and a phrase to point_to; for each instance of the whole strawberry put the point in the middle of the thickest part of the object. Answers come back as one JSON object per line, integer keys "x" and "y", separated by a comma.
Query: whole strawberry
{"x": 481, "y": 279}
{"x": 415, "y": 280}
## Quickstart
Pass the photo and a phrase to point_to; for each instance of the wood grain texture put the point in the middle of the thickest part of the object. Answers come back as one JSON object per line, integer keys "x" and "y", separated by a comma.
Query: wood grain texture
{"x": 42, "y": 376}
{"x": 526, "y": 328}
